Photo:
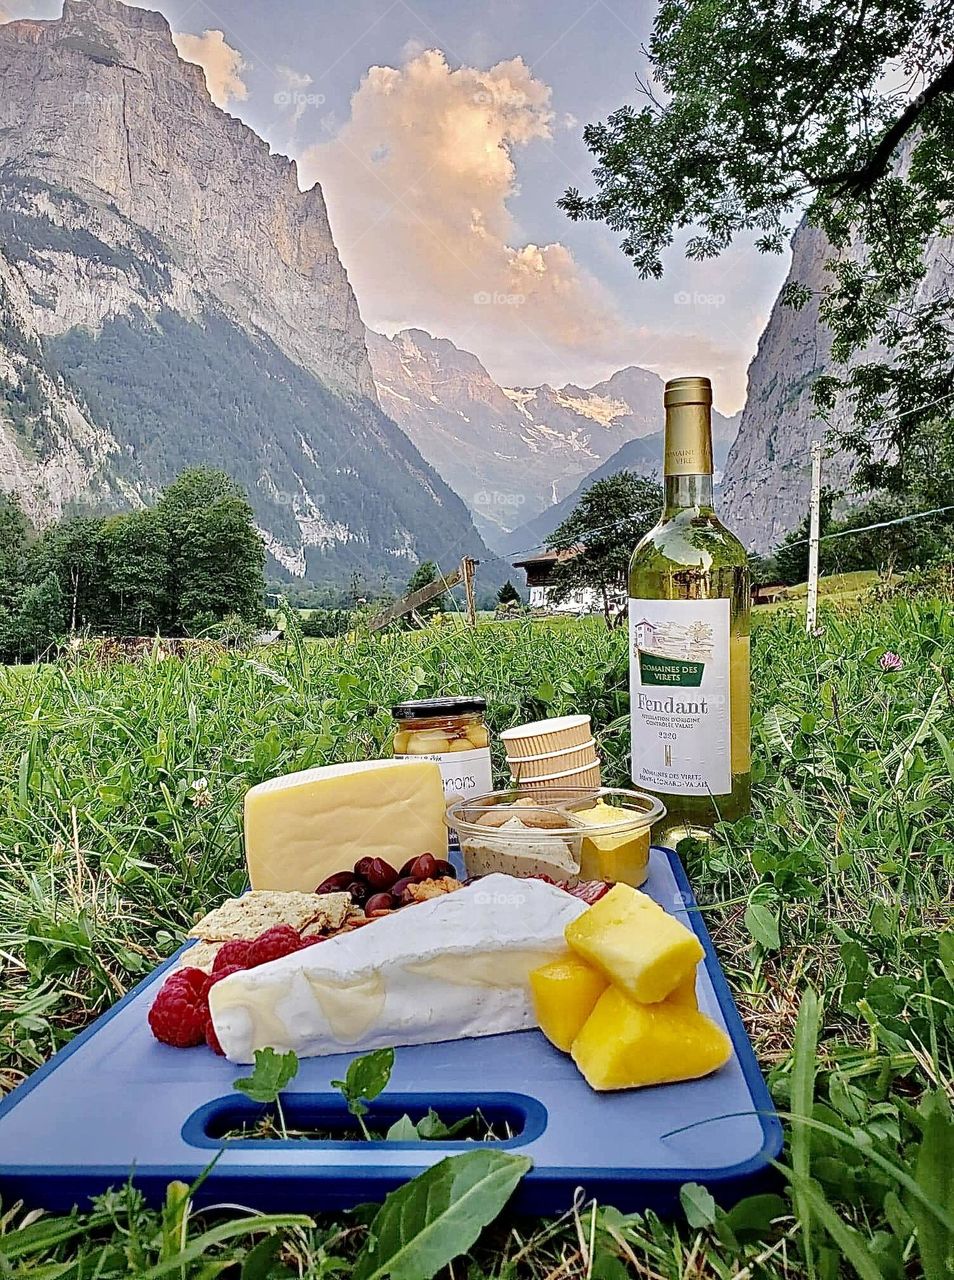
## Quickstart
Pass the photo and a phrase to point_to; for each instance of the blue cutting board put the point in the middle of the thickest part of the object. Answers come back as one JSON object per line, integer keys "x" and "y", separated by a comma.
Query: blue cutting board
{"x": 115, "y": 1102}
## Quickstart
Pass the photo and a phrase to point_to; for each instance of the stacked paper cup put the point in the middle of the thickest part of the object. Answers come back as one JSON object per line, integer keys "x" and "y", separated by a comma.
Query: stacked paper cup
{"x": 553, "y": 753}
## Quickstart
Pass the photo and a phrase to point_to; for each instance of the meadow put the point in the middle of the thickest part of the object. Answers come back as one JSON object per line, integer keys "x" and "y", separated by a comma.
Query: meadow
{"x": 120, "y": 803}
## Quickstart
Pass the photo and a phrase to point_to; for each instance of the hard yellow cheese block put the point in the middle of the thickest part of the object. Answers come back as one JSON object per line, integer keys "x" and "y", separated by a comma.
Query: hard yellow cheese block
{"x": 303, "y": 827}
{"x": 564, "y": 994}
{"x": 624, "y": 1045}
{"x": 645, "y": 951}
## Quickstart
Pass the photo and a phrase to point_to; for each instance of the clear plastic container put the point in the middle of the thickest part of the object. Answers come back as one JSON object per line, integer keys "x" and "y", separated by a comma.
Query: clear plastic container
{"x": 525, "y": 833}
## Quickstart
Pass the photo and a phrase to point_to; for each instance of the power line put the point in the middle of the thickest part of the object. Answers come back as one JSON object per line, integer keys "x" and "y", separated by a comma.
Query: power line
{"x": 882, "y": 524}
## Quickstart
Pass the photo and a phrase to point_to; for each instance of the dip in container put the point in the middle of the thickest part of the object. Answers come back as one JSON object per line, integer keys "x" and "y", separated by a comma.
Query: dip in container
{"x": 589, "y": 833}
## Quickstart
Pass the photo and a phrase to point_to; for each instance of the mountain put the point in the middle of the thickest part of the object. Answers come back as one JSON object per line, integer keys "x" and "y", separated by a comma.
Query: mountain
{"x": 642, "y": 456}
{"x": 169, "y": 296}
{"x": 765, "y": 489}
{"x": 767, "y": 478}
{"x": 510, "y": 452}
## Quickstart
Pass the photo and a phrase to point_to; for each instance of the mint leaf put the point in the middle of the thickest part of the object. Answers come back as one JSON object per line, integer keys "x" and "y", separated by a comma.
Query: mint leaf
{"x": 271, "y": 1073}
{"x": 433, "y": 1127}
{"x": 365, "y": 1079}
{"x": 429, "y": 1221}
{"x": 403, "y": 1130}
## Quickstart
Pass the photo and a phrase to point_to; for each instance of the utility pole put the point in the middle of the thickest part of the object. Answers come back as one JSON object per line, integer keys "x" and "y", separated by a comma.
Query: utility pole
{"x": 811, "y": 612}
{"x": 467, "y": 566}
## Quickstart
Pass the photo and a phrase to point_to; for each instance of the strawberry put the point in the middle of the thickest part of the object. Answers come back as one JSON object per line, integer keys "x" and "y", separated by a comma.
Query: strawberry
{"x": 179, "y": 1011}
{"x": 280, "y": 940}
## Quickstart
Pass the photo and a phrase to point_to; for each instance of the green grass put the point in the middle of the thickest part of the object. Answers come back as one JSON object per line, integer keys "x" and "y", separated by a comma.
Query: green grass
{"x": 846, "y": 590}
{"x": 839, "y": 883}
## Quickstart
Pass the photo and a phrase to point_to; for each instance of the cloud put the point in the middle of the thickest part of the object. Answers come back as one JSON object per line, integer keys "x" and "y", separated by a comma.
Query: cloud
{"x": 294, "y": 94}
{"x": 419, "y": 181}
{"x": 221, "y": 63}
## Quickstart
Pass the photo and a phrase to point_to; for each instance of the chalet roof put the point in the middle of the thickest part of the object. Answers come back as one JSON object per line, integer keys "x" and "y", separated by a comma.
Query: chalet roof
{"x": 545, "y": 557}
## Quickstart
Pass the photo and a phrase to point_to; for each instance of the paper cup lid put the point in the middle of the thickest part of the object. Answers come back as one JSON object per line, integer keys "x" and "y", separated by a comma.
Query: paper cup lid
{"x": 559, "y": 724}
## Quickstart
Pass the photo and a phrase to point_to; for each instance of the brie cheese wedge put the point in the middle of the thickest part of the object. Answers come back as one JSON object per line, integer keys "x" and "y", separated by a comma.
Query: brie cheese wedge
{"x": 455, "y": 966}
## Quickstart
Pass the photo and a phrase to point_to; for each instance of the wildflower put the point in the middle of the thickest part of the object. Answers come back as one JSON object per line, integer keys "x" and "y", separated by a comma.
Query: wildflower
{"x": 890, "y": 661}
{"x": 201, "y": 795}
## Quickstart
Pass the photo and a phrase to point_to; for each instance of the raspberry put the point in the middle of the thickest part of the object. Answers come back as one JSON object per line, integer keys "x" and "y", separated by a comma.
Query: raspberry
{"x": 231, "y": 953}
{"x": 211, "y": 1039}
{"x": 179, "y": 1011}
{"x": 280, "y": 940}
{"x": 226, "y": 971}
{"x": 310, "y": 942}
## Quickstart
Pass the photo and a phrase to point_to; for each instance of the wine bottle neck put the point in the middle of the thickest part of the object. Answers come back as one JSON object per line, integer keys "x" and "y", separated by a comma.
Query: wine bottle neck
{"x": 688, "y": 492}
{"x": 688, "y": 456}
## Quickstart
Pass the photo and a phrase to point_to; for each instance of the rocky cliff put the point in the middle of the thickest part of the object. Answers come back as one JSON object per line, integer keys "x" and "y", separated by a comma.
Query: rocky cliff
{"x": 765, "y": 489}
{"x": 513, "y": 452}
{"x": 768, "y": 472}
{"x": 168, "y": 296}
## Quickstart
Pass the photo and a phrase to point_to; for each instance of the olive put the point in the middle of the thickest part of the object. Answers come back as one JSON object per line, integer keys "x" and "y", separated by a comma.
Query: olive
{"x": 406, "y": 869}
{"x": 379, "y": 902}
{"x": 397, "y": 889}
{"x": 359, "y": 890}
{"x": 362, "y": 867}
{"x": 337, "y": 883}
{"x": 443, "y": 869}
{"x": 380, "y": 874}
{"x": 424, "y": 867}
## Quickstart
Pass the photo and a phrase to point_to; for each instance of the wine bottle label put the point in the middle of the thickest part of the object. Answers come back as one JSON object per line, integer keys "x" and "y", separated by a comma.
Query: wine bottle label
{"x": 679, "y": 696}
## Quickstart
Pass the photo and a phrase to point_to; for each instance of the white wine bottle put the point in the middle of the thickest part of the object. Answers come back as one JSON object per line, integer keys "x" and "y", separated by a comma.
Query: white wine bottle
{"x": 689, "y": 602}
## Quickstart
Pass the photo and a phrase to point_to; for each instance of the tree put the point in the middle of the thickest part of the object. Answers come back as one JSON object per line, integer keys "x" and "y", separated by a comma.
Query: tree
{"x": 601, "y": 532}
{"x": 41, "y": 618}
{"x": 508, "y": 594}
{"x": 426, "y": 573}
{"x": 216, "y": 555}
{"x": 14, "y": 536}
{"x": 73, "y": 549}
{"x": 137, "y": 561}
{"x": 754, "y": 114}
{"x": 791, "y": 555}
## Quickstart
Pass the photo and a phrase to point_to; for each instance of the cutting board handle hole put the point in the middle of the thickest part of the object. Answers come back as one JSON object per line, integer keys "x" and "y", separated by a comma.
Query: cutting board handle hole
{"x": 322, "y": 1120}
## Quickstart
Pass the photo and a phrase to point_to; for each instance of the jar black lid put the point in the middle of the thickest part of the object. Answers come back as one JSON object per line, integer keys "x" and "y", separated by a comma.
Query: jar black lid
{"x": 437, "y": 707}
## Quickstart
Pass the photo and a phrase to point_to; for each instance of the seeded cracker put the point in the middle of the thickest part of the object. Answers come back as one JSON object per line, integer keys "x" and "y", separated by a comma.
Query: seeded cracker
{"x": 199, "y": 956}
{"x": 246, "y": 917}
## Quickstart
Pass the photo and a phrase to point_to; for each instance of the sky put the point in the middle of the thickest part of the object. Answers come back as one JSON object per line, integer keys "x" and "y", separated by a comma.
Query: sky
{"x": 443, "y": 132}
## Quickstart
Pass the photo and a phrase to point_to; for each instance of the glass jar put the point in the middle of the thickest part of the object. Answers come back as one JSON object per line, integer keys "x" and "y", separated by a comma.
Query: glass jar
{"x": 452, "y": 732}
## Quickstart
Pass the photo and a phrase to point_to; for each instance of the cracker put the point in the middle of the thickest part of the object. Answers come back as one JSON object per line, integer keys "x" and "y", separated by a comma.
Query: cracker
{"x": 424, "y": 890}
{"x": 201, "y": 955}
{"x": 246, "y": 917}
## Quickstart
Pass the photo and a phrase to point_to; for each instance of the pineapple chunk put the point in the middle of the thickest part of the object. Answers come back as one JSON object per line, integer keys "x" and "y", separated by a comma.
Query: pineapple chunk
{"x": 565, "y": 992}
{"x": 640, "y": 948}
{"x": 624, "y": 1045}
{"x": 685, "y": 994}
